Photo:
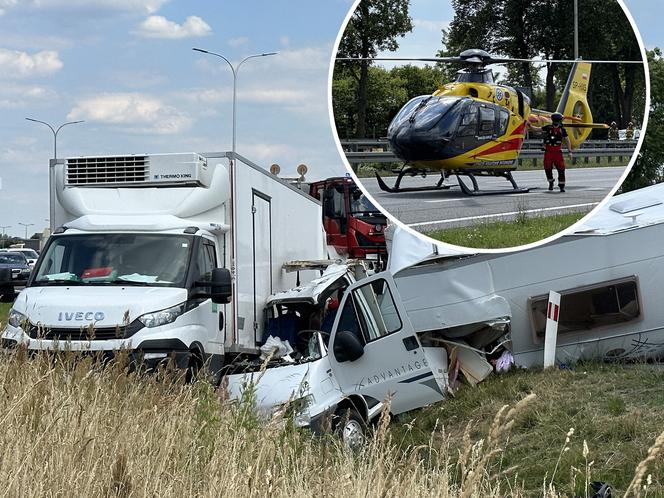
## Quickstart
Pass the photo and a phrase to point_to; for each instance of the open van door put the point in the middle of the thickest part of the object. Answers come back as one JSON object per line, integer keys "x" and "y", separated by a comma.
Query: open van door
{"x": 375, "y": 352}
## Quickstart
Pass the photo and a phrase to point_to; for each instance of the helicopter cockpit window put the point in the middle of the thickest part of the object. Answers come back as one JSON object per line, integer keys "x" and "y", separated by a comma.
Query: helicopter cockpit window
{"x": 408, "y": 109}
{"x": 503, "y": 121}
{"x": 468, "y": 125}
{"x": 487, "y": 121}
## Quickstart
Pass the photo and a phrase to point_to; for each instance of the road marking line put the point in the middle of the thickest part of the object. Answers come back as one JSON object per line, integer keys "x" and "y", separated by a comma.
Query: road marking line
{"x": 497, "y": 215}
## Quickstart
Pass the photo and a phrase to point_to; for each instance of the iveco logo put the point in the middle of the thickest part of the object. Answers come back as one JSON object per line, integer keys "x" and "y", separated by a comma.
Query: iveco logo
{"x": 81, "y": 316}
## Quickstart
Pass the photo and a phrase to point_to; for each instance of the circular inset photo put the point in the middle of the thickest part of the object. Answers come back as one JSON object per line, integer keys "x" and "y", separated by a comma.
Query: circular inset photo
{"x": 489, "y": 125}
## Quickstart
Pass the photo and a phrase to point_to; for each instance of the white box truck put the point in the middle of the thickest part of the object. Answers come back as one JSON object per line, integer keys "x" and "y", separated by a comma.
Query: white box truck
{"x": 164, "y": 255}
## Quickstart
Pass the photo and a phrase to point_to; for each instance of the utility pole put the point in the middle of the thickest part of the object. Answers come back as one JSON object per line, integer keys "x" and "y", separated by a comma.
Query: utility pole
{"x": 4, "y": 227}
{"x": 26, "y": 225}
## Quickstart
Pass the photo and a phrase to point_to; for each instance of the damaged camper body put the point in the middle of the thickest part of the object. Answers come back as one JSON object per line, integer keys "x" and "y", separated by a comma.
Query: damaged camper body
{"x": 142, "y": 236}
{"x": 393, "y": 331}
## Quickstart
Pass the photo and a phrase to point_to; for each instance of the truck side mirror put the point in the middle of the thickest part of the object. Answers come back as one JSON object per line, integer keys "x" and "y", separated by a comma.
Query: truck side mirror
{"x": 221, "y": 286}
{"x": 347, "y": 346}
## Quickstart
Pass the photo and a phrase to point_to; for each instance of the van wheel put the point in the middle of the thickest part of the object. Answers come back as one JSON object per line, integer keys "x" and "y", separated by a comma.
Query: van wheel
{"x": 195, "y": 366}
{"x": 350, "y": 427}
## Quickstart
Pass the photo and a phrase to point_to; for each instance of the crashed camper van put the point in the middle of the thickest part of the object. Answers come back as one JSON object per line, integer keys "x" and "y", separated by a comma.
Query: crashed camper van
{"x": 404, "y": 334}
{"x": 143, "y": 257}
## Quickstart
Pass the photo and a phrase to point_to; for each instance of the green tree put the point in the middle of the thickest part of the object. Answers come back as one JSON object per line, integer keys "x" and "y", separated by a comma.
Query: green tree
{"x": 374, "y": 26}
{"x": 649, "y": 166}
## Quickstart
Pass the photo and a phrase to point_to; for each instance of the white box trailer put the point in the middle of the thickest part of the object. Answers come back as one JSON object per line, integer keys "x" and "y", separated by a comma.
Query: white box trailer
{"x": 139, "y": 238}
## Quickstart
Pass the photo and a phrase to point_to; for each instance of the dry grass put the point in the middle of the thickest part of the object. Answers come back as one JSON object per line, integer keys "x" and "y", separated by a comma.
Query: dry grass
{"x": 79, "y": 429}
{"x": 82, "y": 430}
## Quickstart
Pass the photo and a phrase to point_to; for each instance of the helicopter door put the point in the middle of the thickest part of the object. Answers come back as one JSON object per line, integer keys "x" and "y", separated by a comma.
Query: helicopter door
{"x": 487, "y": 124}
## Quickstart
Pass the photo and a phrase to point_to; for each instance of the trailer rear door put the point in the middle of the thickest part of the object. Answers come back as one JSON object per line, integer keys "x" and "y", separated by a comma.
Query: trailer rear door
{"x": 261, "y": 209}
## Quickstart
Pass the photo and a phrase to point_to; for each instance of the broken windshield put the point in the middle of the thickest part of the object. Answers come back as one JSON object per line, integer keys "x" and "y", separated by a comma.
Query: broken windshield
{"x": 115, "y": 259}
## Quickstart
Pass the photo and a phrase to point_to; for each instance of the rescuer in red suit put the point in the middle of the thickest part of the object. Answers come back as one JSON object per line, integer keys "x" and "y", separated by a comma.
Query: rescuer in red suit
{"x": 554, "y": 136}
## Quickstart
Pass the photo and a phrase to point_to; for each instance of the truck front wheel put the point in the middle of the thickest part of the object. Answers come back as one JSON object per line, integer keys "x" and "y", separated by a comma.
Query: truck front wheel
{"x": 195, "y": 366}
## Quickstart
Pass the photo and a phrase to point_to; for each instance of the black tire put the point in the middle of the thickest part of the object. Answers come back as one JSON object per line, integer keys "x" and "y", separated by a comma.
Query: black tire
{"x": 350, "y": 427}
{"x": 195, "y": 367}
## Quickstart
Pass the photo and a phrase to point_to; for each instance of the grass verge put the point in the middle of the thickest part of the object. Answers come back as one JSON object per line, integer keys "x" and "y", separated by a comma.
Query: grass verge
{"x": 616, "y": 412}
{"x": 523, "y": 230}
{"x": 4, "y": 311}
{"x": 75, "y": 428}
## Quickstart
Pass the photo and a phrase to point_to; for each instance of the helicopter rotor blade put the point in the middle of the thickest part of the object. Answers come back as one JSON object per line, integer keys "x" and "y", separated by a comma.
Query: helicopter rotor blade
{"x": 486, "y": 62}
{"x": 560, "y": 61}
{"x": 421, "y": 59}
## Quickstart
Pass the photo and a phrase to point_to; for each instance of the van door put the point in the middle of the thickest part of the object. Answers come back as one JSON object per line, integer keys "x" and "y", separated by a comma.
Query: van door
{"x": 392, "y": 363}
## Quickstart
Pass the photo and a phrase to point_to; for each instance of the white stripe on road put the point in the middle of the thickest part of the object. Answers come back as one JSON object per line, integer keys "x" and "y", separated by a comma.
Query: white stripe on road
{"x": 540, "y": 192}
{"x": 497, "y": 215}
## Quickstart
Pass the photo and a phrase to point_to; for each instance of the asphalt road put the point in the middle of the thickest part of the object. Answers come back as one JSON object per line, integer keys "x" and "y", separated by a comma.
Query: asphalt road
{"x": 433, "y": 210}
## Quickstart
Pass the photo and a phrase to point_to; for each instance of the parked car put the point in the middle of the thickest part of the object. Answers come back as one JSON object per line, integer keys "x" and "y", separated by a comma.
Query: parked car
{"x": 30, "y": 254}
{"x": 14, "y": 272}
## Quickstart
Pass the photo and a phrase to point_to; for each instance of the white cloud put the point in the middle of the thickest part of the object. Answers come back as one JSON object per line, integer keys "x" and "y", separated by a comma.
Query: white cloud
{"x": 268, "y": 153}
{"x": 276, "y": 94}
{"x": 14, "y": 95}
{"x": 140, "y": 6}
{"x": 15, "y": 64}
{"x": 160, "y": 27}
{"x": 428, "y": 25}
{"x": 238, "y": 42}
{"x": 135, "y": 112}
{"x": 284, "y": 41}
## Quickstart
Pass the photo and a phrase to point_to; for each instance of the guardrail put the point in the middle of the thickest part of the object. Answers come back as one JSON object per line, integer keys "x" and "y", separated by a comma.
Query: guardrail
{"x": 378, "y": 151}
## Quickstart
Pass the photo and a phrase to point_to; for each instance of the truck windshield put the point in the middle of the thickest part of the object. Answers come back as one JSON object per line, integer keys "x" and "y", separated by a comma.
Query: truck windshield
{"x": 115, "y": 259}
{"x": 360, "y": 204}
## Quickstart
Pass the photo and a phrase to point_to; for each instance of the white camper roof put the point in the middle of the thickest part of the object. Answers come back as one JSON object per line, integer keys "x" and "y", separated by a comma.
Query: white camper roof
{"x": 313, "y": 290}
{"x": 627, "y": 211}
{"x": 408, "y": 250}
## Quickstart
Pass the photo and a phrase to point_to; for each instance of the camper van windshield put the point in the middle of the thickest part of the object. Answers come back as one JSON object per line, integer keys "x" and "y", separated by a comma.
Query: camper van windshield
{"x": 115, "y": 259}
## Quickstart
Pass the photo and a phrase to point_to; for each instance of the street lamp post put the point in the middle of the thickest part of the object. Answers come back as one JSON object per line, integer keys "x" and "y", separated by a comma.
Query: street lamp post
{"x": 4, "y": 227}
{"x": 233, "y": 252}
{"x": 26, "y": 225}
{"x": 52, "y": 163}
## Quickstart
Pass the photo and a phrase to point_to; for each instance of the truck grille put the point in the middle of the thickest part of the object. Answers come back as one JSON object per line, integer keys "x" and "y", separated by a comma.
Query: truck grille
{"x": 84, "y": 333}
{"x": 107, "y": 170}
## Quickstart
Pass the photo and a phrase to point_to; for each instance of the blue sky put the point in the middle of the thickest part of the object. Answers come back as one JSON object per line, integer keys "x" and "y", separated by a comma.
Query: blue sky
{"x": 126, "y": 67}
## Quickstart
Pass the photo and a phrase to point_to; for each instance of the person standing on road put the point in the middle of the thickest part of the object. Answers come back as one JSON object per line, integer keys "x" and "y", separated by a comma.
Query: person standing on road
{"x": 554, "y": 136}
{"x": 613, "y": 131}
{"x": 629, "y": 132}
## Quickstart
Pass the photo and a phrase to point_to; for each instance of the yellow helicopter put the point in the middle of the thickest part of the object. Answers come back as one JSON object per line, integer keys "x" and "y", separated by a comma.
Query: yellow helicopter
{"x": 475, "y": 127}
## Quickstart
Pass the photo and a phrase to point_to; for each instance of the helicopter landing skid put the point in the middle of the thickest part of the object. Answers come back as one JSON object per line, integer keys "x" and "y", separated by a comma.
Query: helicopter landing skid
{"x": 441, "y": 185}
{"x": 476, "y": 190}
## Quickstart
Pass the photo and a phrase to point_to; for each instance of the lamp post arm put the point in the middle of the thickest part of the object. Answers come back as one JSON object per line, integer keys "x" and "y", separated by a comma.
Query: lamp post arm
{"x": 217, "y": 55}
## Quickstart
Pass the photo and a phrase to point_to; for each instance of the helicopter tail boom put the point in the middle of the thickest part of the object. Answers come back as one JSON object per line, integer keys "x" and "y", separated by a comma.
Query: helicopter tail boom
{"x": 574, "y": 103}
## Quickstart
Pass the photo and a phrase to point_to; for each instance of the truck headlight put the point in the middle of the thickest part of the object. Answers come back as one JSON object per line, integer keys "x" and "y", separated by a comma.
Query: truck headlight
{"x": 16, "y": 318}
{"x": 162, "y": 317}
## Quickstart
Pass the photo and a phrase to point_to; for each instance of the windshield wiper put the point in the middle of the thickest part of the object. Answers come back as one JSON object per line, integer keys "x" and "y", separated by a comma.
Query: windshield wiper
{"x": 126, "y": 282}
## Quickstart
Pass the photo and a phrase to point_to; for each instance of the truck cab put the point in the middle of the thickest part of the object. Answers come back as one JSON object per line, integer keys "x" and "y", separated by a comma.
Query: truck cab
{"x": 354, "y": 226}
